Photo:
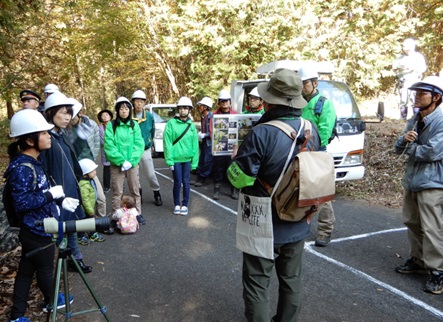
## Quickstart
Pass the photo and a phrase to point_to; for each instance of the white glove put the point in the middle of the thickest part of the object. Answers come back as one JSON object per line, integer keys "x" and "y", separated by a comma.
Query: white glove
{"x": 70, "y": 204}
{"x": 57, "y": 192}
{"x": 171, "y": 167}
{"x": 201, "y": 136}
{"x": 126, "y": 166}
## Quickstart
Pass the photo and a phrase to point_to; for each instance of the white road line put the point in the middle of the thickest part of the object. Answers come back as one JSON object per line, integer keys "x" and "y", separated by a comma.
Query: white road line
{"x": 378, "y": 282}
{"x": 356, "y": 272}
{"x": 200, "y": 194}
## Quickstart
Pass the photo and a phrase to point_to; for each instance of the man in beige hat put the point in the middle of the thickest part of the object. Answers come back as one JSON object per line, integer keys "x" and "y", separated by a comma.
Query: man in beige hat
{"x": 261, "y": 158}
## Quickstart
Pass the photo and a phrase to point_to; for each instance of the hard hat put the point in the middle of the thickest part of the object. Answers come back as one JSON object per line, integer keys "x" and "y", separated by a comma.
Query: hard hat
{"x": 57, "y": 99}
{"x": 254, "y": 92}
{"x": 308, "y": 72}
{"x": 224, "y": 95}
{"x": 429, "y": 84}
{"x": 185, "y": 101}
{"x": 206, "y": 101}
{"x": 51, "y": 88}
{"x": 138, "y": 94}
{"x": 409, "y": 44}
{"x": 28, "y": 121}
{"x": 87, "y": 166}
{"x": 76, "y": 106}
{"x": 119, "y": 101}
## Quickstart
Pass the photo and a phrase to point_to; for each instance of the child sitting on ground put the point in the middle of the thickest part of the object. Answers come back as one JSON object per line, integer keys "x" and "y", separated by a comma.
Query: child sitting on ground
{"x": 88, "y": 192}
{"x": 126, "y": 216}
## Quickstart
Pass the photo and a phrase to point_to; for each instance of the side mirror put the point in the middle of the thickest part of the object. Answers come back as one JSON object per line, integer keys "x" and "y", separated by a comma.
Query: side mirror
{"x": 380, "y": 113}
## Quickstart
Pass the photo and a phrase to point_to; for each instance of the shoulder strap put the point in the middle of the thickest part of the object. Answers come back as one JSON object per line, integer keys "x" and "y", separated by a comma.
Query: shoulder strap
{"x": 181, "y": 135}
{"x": 319, "y": 105}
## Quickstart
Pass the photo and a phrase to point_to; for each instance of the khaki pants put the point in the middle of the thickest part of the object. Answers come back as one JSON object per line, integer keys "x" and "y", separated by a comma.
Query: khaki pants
{"x": 100, "y": 205}
{"x": 147, "y": 169}
{"x": 118, "y": 179}
{"x": 326, "y": 219}
{"x": 423, "y": 215}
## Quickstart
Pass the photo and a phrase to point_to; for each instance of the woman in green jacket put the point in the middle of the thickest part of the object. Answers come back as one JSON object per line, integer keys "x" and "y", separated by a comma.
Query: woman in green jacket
{"x": 124, "y": 146}
{"x": 180, "y": 143}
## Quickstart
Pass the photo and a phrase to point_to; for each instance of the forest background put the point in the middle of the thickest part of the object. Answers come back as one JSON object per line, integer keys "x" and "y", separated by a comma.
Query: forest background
{"x": 97, "y": 50}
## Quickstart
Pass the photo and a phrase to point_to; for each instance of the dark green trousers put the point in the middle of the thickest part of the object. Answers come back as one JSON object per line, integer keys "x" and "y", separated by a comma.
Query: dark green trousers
{"x": 257, "y": 278}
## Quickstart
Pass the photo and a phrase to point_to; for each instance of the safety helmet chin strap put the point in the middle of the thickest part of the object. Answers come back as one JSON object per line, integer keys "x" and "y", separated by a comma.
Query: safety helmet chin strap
{"x": 430, "y": 104}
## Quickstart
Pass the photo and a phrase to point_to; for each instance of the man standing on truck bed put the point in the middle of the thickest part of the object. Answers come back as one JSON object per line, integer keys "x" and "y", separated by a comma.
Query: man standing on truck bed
{"x": 321, "y": 112}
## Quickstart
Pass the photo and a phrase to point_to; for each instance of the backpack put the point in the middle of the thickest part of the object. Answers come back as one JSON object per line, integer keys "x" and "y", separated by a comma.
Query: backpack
{"x": 317, "y": 111}
{"x": 128, "y": 223}
{"x": 13, "y": 218}
{"x": 307, "y": 180}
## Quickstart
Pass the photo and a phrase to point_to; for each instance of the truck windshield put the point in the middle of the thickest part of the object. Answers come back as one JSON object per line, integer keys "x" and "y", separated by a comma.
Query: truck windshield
{"x": 342, "y": 98}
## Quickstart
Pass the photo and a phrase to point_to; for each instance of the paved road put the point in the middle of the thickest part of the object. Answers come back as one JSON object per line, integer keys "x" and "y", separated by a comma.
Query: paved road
{"x": 188, "y": 269}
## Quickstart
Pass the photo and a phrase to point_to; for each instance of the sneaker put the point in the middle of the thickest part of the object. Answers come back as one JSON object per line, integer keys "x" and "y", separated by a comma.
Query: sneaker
{"x": 177, "y": 210}
{"x": 83, "y": 241}
{"x": 435, "y": 283}
{"x": 411, "y": 267}
{"x": 96, "y": 237}
{"x": 61, "y": 303}
{"x": 157, "y": 198}
{"x": 141, "y": 220}
{"x": 20, "y": 319}
{"x": 184, "y": 211}
{"x": 322, "y": 241}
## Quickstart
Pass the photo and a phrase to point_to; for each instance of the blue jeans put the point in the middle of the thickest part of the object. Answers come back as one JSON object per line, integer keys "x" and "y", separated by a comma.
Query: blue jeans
{"x": 182, "y": 174}
{"x": 206, "y": 159}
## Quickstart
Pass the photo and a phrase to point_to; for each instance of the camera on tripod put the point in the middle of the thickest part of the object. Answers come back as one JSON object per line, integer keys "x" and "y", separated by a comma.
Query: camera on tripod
{"x": 52, "y": 225}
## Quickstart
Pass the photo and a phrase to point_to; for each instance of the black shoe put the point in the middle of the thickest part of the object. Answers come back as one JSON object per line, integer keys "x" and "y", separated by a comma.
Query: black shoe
{"x": 158, "y": 198}
{"x": 216, "y": 195}
{"x": 411, "y": 267}
{"x": 109, "y": 231}
{"x": 83, "y": 267}
{"x": 435, "y": 283}
{"x": 141, "y": 220}
{"x": 200, "y": 182}
{"x": 322, "y": 240}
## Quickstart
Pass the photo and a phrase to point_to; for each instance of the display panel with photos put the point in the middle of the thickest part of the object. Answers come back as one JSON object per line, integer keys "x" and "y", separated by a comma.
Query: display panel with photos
{"x": 230, "y": 130}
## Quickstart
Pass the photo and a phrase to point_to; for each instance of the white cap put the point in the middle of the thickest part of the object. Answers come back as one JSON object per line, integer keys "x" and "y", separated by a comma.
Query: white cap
{"x": 51, "y": 88}
{"x": 224, "y": 95}
{"x": 57, "y": 99}
{"x": 87, "y": 166}
{"x": 76, "y": 107}
{"x": 185, "y": 101}
{"x": 254, "y": 92}
{"x": 308, "y": 72}
{"x": 28, "y": 121}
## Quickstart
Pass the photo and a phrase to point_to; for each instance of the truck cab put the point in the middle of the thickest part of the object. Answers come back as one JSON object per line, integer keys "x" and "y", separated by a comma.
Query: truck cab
{"x": 346, "y": 149}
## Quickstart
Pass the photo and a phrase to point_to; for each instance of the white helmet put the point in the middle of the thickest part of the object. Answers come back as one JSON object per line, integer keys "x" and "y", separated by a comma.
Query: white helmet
{"x": 76, "y": 107}
{"x": 138, "y": 94}
{"x": 430, "y": 84}
{"x": 87, "y": 166}
{"x": 409, "y": 44}
{"x": 308, "y": 72}
{"x": 206, "y": 101}
{"x": 51, "y": 88}
{"x": 28, "y": 121}
{"x": 254, "y": 92}
{"x": 224, "y": 95}
{"x": 185, "y": 101}
{"x": 120, "y": 100}
{"x": 57, "y": 99}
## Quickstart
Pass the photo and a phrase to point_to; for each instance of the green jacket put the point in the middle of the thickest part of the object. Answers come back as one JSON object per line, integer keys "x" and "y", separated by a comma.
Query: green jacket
{"x": 88, "y": 196}
{"x": 147, "y": 127}
{"x": 184, "y": 150}
{"x": 126, "y": 144}
{"x": 325, "y": 121}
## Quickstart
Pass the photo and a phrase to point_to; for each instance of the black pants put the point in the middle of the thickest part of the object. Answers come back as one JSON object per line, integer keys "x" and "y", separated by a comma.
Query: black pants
{"x": 106, "y": 177}
{"x": 220, "y": 166}
{"x": 41, "y": 263}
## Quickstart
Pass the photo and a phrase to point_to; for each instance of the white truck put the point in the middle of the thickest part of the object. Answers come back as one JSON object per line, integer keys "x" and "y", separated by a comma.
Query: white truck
{"x": 347, "y": 149}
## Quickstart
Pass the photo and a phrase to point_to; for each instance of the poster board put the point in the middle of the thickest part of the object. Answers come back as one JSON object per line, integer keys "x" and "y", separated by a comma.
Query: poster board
{"x": 230, "y": 130}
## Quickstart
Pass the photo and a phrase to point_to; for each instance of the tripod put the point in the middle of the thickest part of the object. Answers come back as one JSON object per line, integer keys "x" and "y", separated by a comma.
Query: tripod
{"x": 62, "y": 267}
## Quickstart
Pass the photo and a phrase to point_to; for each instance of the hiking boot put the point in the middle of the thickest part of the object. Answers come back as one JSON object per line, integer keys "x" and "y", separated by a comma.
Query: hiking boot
{"x": 322, "y": 240}
{"x": 96, "y": 237}
{"x": 158, "y": 198}
{"x": 83, "y": 240}
{"x": 177, "y": 210}
{"x": 85, "y": 269}
{"x": 61, "y": 303}
{"x": 216, "y": 195}
{"x": 435, "y": 283}
{"x": 234, "y": 193}
{"x": 141, "y": 220}
{"x": 200, "y": 182}
{"x": 411, "y": 267}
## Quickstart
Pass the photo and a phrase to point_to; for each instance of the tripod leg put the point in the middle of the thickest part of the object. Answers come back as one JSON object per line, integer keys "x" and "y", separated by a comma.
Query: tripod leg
{"x": 55, "y": 292}
{"x": 102, "y": 308}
